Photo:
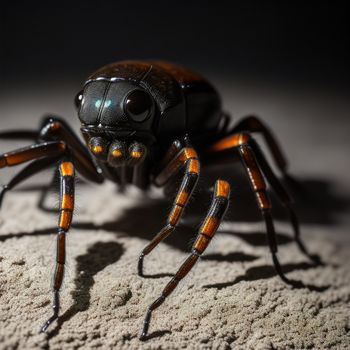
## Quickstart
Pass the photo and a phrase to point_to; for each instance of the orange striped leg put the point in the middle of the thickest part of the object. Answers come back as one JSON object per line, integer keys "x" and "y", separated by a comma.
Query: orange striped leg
{"x": 43, "y": 155}
{"x": 284, "y": 198}
{"x": 259, "y": 187}
{"x": 242, "y": 141}
{"x": 188, "y": 158}
{"x": 31, "y": 169}
{"x": 66, "y": 169}
{"x": 254, "y": 124}
{"x": 26, "y": 154}
{"x": 208, "y": 229}
{"x": 57, "y": 129}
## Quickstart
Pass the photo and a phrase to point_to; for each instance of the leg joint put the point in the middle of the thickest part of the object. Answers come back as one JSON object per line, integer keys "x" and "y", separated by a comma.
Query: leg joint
{"x": 195, "y": 252}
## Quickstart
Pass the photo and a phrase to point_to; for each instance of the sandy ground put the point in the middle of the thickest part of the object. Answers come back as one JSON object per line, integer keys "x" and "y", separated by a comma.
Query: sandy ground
{"x": 231, "y": 299}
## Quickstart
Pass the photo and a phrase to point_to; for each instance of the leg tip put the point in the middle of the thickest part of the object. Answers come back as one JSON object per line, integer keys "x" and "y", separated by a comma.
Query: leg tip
{"x": 317, "y": 260}
{"x": 48, "y": 323}
{"x": 3, "y": 190}
{"x": 44, "y": 328}
{"x": 143, "y": 336}
{"x": 297, "y": 284}
{"x": 140, "y": 265}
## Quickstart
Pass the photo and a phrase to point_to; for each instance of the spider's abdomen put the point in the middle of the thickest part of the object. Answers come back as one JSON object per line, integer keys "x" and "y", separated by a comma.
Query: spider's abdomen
{"x": 201, "y": 100}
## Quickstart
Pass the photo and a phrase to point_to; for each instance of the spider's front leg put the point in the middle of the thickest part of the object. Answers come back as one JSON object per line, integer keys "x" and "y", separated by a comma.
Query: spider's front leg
{"x": 66, "y": 169}
{"x": 175, "y": 159}
{"x": 53, "y": 139}
{"x": 46, "y": 153}
{"x": 207, "y": 231}
{"x": 25, "y": 154}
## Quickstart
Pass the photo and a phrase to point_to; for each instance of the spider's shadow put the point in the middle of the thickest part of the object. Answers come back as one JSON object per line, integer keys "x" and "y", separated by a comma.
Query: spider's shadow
{"x": 265, "y": 272}
{"x": 98, "y": 256}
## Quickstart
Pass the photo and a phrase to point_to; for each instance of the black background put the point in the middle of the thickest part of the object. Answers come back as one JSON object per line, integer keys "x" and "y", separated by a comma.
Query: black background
{"x": 299, "y": 41}
{"x": 286, "y": 61}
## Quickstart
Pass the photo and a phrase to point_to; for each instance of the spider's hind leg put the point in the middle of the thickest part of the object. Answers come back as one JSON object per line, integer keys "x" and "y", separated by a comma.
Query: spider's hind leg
{"x": 259, "y": 187}
{"x": 224, "y": 148}
{"x": 254, "y": 124}
{"x": 208, "y": 229}
{"x": 284, "y": 198}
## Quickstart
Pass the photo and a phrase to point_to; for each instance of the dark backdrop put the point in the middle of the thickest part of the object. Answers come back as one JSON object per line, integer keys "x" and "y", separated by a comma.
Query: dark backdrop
{"x": 304, "y": 41}
{"x": 286, "y": 61}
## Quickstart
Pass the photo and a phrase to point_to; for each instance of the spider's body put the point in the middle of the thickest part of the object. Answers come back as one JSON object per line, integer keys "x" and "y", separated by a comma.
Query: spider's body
{"x": 144, "y": 121}
{"x": 177, "y": 102}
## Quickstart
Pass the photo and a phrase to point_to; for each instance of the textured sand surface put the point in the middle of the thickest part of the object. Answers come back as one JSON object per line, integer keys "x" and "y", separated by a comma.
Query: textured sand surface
{"x": 232, "y": 298}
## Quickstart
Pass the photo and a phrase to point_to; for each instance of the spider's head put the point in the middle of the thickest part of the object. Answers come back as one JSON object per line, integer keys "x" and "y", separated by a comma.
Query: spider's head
{"x": 117, "y": 119}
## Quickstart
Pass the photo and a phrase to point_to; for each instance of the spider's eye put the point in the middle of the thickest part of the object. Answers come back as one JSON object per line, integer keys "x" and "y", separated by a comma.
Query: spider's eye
{"x": 78, "y": 99}
{"x": 138, "y": 105}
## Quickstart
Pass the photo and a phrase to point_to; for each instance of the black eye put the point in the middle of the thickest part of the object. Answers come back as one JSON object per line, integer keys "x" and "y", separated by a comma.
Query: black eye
{"x": 78, "y": 99}
{"x": 138, "y": 105}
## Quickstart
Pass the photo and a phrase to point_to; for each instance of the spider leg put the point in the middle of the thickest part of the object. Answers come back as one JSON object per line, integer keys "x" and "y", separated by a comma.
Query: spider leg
{"x": 259, "y": 187}
{"x": 254, "y": 124}
{"x": 53, "y": 131}
{"x": 31, "y": 169}
{"x": 284, "y": 198}
{"x": 45, "y": 191}
{"x": 66, "y": 169}
{"x": 19, "y": 134}
{"x": 25, "y": 154}
{"x": 208, "y": 229}
{"x": 187, "y": 157}
{"x": 55, "y": 128}
{"x": 240, "y": 142}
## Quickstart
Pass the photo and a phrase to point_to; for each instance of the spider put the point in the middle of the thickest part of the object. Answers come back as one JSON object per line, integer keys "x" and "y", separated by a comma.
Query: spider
{"x": 145, "y": 123}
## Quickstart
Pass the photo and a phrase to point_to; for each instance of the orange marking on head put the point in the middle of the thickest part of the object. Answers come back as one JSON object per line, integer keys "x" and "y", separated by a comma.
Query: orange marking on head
{"x": 117, "y": 153}
{"x": 210, "y": 226}
{"x": 96, "y": 149}
{"x": 67, "y": 169}
{"x": 136, "y": 154}
{"x": 222, "y": 188}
